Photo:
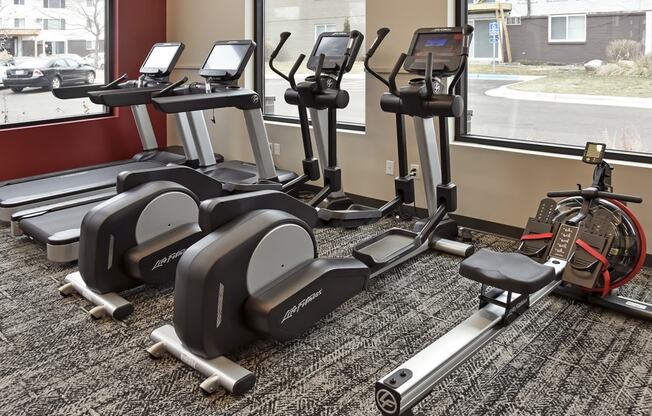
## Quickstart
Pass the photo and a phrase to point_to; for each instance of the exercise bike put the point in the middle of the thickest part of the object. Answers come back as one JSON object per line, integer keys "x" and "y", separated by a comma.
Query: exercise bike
{"x": 257, "y": 274}
{"x": 585, "y": 246}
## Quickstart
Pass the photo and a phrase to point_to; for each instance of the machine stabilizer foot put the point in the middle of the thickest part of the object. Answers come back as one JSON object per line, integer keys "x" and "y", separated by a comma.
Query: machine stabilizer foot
{"x": 157, "y": 350}
{"x": 108, "y": 304}
{"x": 220, "y": 372}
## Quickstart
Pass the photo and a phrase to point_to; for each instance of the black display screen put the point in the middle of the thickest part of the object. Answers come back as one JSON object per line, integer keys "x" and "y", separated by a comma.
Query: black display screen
{"x": 333, "y": 46}
{"x": 225, "y": 57}
{"x": 440, "y": 44}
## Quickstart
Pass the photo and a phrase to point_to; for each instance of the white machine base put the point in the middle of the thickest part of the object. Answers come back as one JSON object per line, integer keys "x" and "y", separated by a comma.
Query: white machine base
{"x": 220, "y": 371}
{"x": 109, "y": 304}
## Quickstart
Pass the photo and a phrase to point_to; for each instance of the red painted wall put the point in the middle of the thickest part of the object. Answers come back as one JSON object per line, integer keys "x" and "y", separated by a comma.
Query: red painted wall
{"x": 26, "y": 151}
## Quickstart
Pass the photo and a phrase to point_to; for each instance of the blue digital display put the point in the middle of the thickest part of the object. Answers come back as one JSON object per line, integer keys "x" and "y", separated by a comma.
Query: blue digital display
{"x": 436, "y": 42}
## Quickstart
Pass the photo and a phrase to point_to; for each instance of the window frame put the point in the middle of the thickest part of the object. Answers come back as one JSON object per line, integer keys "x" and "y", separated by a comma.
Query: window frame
{"x": 461, "y": 134}
{"x": 567, "y": 18}
{"x": 259, "y": 74}
{"x": 108, "y": 112}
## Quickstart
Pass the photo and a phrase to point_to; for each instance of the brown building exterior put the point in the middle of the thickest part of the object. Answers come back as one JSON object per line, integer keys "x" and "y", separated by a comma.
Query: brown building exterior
{"x": 530, "y": 40}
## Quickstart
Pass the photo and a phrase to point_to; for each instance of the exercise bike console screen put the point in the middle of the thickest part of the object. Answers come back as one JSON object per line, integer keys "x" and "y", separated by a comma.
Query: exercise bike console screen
{"x": 446, "y": 48}
{"x": 162, "y": 59}
{"x": 594, "y": 153}
{"x": 227, "y": 60}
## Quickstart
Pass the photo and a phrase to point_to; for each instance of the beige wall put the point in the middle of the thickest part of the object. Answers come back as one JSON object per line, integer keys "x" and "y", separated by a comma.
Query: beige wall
{"x": 497, "y": 185}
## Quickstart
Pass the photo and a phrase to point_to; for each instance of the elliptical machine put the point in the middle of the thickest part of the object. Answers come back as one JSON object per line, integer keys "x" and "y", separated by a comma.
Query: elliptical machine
{"x": 257, "y": 274}
{"x": 584, "y": 247}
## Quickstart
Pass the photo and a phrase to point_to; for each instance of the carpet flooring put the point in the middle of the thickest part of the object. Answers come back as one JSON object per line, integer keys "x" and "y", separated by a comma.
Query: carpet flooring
{"x": 562, "y": 358}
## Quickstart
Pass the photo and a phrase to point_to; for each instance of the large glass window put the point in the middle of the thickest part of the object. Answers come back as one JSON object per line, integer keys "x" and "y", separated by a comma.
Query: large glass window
{"x": 46, "y": 44}
{"x": 306, "y": 20}
{"x": 538, "y": 76}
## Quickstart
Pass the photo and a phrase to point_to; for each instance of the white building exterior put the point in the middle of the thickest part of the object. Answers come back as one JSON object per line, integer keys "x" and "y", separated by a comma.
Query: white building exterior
{"x": 29, "y": 28}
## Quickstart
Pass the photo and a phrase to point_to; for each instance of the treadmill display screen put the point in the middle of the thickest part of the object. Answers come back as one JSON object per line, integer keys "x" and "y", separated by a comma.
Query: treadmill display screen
{"x": 333, "y": 46}
{"x": 160, "y": 59}
{"x": 442, "y": 45}
{"x": 226, "y": 58}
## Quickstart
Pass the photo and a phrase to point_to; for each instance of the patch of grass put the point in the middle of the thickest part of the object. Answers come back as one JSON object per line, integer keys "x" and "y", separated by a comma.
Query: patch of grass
{"x": 588, "y": 84}
{"x": 516, "y": 69}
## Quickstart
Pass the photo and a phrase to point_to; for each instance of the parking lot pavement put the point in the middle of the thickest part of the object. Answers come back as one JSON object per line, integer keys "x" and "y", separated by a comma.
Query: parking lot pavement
{"x": 36, "y": 104}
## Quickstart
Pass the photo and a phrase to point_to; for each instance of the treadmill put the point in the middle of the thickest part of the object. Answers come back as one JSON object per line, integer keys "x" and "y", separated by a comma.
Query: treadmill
{"x": 222, "y": 70}
{"x": 57, "y": 225}
{"x": 45, "y": 190}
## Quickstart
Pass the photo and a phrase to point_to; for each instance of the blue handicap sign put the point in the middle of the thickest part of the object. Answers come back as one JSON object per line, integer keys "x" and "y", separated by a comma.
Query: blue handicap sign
{"x": 493, "y": 29}
{"x": 494, "y": 39}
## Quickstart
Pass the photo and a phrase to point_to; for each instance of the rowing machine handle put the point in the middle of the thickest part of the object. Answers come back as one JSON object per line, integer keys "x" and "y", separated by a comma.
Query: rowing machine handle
{"x": 620, "y": 197}
{"x": 564, "y": 194}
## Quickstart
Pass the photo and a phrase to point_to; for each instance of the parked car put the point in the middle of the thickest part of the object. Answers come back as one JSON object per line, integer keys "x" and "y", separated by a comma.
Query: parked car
{"x": 4, "y": 65}
{"x": 48, "y": 73}
{"x": 96, "y": 60}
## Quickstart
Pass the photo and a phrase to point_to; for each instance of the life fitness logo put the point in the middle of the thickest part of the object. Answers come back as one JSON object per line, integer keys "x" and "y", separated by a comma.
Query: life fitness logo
{"x": 386, "y": 402}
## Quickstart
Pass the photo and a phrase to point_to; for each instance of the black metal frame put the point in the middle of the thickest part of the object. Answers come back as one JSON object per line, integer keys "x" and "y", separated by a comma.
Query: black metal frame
{"x": 461, "y": 125}
{"x": 108, "y": 70}
{"x": 259, "y": 73}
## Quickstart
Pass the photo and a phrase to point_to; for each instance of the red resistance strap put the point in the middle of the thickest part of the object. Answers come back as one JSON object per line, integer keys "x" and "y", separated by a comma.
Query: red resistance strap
{"x": 605, "y": 265}
{"x": 544, "y": 236}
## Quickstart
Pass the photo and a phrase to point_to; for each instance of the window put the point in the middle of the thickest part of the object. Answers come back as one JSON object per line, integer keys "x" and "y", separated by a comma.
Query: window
{"x": 54, "y": 24}
{"x": 559, "y": 81}
{"x": 305, "y": 24}
{"x": 19, "y": 2}
{"x": 321, "y": 28}
{"x": 35, "y": 61}
{"x": 567, "y": 28}
{"x": 54, "y": 4}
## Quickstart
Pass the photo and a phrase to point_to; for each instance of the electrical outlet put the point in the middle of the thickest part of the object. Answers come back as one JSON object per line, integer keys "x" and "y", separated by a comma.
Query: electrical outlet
{"x": 277, "y": 149}
{"x": 389, "y": 167}
{"x": 415, "y": 171}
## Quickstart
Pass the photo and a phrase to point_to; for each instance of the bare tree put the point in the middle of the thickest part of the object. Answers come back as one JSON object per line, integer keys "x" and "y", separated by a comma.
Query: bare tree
{"x": 92, "y": 11}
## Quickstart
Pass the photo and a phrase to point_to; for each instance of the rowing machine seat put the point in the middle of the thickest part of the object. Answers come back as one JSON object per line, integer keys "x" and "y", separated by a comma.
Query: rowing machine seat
{"x": 512, "y": 272}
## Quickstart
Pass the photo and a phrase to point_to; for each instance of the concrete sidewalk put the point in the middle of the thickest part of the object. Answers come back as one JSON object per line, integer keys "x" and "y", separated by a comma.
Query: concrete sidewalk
{"x": 506, "y": 92}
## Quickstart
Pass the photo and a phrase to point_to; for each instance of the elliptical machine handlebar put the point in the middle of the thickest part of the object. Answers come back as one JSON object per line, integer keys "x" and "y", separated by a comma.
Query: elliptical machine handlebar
{"x": 593, "y": 193}
{"x": 392, "y": 76}
{"x": 381, "y": 34}
{"x": 290, "y": 77}
{"x": 114, "y": 83}
{"x": 165, "y": 91}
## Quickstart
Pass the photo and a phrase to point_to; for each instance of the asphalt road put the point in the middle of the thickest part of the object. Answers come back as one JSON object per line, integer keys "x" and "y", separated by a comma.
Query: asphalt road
{"x": 621, "y": 127}
{"x": 626, "y": 128}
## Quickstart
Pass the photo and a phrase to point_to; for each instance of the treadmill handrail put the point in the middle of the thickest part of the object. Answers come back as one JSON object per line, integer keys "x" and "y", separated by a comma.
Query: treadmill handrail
{"x": 240, "y": 98}
{"x": 125, "y": 96}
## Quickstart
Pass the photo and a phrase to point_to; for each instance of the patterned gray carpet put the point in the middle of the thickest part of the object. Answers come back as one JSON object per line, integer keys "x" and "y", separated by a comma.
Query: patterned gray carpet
{"x": 561, "y": 358}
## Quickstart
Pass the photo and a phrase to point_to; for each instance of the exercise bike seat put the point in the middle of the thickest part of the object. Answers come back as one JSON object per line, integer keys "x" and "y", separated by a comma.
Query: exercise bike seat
{"x": 512, "y": 272}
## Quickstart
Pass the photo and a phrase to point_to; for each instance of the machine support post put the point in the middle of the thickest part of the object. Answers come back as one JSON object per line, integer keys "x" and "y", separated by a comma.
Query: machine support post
{"x": 305, "y": 133}
{"x": 332, "y": 137}
{"x": 444, "y": 150}
{"x": 402, "y": 146}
